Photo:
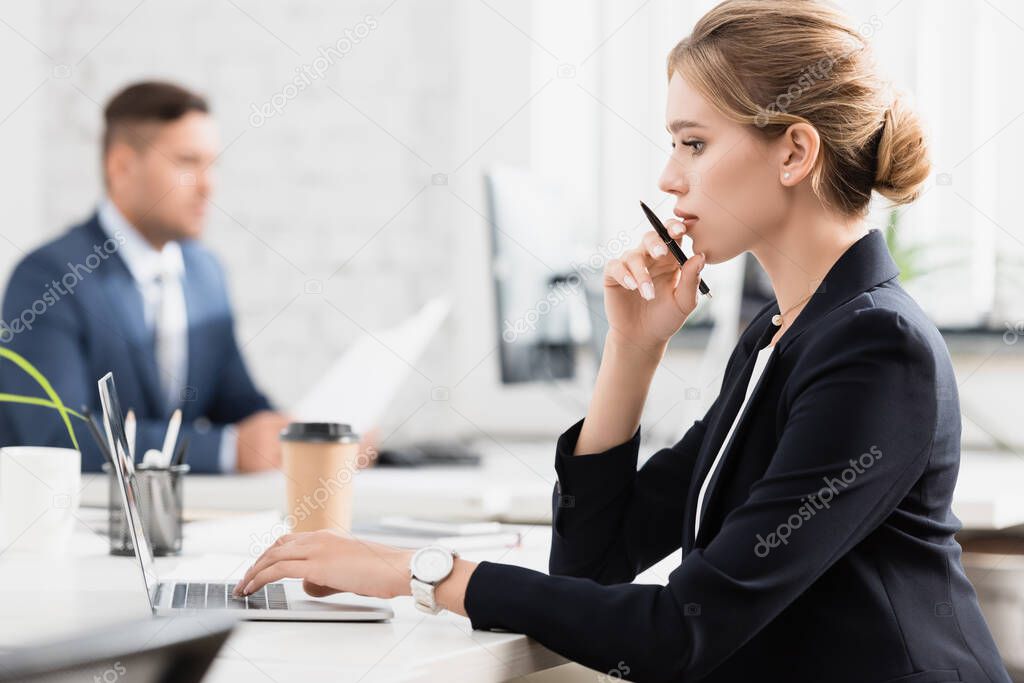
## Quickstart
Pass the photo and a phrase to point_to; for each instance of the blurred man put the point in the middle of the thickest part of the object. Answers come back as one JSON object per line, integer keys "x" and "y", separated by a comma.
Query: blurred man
{"x": 131, "y": 291}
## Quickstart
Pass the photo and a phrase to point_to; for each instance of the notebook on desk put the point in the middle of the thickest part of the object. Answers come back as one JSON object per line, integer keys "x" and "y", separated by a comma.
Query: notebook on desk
{"x": 408, "y": 532}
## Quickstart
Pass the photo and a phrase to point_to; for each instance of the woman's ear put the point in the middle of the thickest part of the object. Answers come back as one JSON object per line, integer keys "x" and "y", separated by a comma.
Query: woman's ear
{"x": 800, "y": 146}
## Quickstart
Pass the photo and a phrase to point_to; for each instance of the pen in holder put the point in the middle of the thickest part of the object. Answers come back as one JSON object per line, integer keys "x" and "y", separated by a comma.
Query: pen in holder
{"x": 160, "y": 496}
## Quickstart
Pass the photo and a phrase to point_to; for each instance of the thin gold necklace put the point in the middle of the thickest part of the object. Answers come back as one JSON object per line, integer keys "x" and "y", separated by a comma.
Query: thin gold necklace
{"x": 778, "y": 318}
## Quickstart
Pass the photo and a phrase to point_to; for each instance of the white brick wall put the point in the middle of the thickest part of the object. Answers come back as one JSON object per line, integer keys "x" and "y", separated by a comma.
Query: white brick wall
{"x": 301, "y": 195}
{"x": 304, "y": 193}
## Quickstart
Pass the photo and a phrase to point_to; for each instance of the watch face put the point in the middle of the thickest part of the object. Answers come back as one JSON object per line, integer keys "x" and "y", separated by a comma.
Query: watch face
{"x": 431, "y": 564}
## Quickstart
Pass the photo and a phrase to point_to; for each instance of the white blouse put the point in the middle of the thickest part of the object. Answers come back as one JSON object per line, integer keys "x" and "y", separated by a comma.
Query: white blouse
{"x": 755, "y": 376}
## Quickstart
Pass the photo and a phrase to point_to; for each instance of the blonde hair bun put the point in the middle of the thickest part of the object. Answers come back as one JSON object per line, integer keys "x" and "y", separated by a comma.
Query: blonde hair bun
{"x": 902, "y": 158}
{"x": 825, "y": 76}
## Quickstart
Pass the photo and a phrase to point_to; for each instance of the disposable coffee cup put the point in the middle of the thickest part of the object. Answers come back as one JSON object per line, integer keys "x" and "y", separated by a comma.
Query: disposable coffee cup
{"x": 320, "y": 461}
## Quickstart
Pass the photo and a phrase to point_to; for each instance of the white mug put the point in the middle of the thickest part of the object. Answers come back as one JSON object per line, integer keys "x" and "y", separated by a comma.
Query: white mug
{"x": 39, "y": 496}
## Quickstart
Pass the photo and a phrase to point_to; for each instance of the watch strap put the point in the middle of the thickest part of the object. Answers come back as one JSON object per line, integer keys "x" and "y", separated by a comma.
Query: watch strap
{"x": 423, "y": 593}
{"x": 423, "y": 596}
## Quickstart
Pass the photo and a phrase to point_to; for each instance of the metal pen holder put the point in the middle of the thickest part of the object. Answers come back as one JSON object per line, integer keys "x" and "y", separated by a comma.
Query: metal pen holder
{"x": 160, "y": 497}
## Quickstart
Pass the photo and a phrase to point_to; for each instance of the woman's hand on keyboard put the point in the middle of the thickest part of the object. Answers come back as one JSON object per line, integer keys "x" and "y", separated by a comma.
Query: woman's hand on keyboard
{"x": 331, "y": 562}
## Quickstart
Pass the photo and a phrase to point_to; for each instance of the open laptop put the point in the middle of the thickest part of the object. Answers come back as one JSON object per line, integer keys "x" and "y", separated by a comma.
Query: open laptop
{"x": 279, "y": 601}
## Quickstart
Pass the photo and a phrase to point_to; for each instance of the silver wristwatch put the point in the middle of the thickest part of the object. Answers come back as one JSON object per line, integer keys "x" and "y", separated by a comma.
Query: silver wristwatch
{"x": 429, "y": 566}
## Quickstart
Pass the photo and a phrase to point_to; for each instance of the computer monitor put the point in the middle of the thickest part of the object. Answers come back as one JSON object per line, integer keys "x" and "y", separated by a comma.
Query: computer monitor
{"x": 532, "y": 237}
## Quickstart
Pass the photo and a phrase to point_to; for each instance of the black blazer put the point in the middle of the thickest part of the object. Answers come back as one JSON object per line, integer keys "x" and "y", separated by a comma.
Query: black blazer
{"x": 826, "y": 549}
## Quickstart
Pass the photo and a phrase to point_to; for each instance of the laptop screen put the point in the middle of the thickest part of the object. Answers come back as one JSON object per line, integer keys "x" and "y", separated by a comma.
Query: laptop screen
{"x": 124, "y": 470}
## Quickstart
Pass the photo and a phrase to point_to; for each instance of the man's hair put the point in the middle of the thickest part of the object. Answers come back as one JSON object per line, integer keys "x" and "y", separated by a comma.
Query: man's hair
{"x": 148, "y": 102}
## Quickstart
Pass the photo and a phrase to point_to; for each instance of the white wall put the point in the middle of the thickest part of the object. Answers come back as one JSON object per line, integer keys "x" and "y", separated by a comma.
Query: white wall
{"x": 340, "y": 187}
{"x": 25, "y": 81}
{"x": 302, "y": 195}
{"x": 340, "y": 191}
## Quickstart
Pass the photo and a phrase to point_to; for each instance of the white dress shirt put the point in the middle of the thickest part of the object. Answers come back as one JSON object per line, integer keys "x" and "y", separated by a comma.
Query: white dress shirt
{"x": 159, "y": 275}
{"x": 755, "y": 376}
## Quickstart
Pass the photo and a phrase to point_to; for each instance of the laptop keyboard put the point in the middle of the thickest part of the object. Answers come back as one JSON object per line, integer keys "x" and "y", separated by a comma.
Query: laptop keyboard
{"x": 218, "y": 596}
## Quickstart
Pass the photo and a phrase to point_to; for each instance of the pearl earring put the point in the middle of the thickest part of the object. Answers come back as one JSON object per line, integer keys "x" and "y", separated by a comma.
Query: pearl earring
{"x": 785, "y": 176}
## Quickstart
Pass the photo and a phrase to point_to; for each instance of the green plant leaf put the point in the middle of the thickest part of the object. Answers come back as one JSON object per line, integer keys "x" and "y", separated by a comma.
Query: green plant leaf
{"x": 54, "y": 402}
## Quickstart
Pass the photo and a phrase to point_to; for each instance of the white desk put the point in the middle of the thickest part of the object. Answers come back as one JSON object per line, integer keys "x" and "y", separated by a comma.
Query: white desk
{"x": 88, "y": 587}
{"x": 988, "y": 491}
{"x": 45, "y": 598}
{"x": 514, "y": 485}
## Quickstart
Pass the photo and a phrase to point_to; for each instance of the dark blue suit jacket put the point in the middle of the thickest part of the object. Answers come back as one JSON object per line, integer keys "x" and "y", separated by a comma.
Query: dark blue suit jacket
{"x": 826, "y": 550}
{"x": 100, "y": 327}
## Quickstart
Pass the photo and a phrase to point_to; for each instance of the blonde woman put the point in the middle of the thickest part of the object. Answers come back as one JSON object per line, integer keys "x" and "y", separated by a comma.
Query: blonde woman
{"x": 812, "y": 501}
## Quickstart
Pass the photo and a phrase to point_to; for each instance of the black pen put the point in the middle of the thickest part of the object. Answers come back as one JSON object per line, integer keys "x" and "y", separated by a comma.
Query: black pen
{"x": 670, "y": 243}
{"x": 95, "y": 431}
{"x": 179, "y": 456}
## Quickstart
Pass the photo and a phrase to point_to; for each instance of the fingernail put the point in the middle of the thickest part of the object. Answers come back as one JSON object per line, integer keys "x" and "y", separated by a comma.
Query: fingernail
{"x": 647, "y": 291}
{"x": 248, "y": 588}
{"x": 659, "y": 250}
{"x": 630, "y": 282}
{"x": 678, "y": 229}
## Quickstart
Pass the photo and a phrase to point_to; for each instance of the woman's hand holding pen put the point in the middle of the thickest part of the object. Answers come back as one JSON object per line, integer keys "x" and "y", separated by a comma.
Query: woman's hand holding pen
{"x": 648, "y": 296}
